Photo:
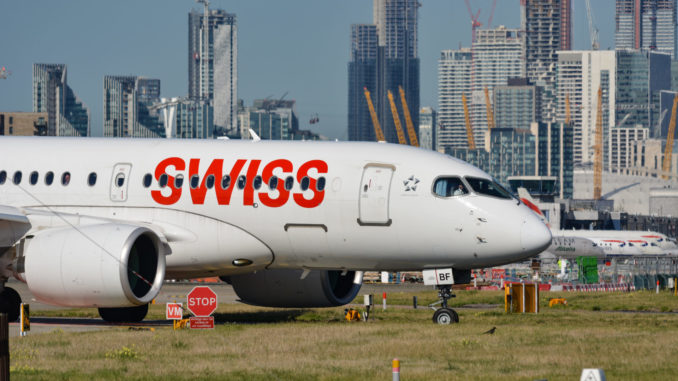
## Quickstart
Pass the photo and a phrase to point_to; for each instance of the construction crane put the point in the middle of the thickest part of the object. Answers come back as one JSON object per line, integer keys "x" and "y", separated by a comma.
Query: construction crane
{"x": 375, "y": 121}
{"x": 474, "y": 21}
{"x": 489, "y": 20}
{"x": 668, "y": 151}
{"x": 567, "y": 108}
{"x": 469, "y": 129}
{"x": 598, "y": 149}
{"x": 593, "y": 31}
{"x": 408, "y": 119}
{"x": 490, "y": 114}
{"x": 396, "y": 119}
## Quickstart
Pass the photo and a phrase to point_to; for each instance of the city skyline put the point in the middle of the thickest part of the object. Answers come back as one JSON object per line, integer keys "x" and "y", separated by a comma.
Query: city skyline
{"x": 277, "y": 53}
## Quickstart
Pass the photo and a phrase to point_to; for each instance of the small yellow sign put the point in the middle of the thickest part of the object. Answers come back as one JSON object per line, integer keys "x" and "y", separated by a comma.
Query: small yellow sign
{"x": 25, "y": 319}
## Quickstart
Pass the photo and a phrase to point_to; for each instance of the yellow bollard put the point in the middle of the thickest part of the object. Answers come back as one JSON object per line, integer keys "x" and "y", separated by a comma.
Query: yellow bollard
{"x": 396, "y": 369}
{"x": 25, "y": 319}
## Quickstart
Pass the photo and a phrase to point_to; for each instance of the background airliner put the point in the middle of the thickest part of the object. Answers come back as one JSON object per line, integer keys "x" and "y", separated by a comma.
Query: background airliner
{"x": 102, "y": 222}
{"x": 571, "y": 243}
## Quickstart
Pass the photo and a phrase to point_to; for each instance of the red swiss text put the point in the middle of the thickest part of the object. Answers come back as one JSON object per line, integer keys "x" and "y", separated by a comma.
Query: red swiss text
{"x": 173, "y": 167}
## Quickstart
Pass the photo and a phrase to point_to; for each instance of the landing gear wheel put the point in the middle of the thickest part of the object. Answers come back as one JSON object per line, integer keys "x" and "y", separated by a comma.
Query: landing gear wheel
{"x": 445, "y": 316}
{"x": 10, "y": 303}
{"x": 124, "y": 314}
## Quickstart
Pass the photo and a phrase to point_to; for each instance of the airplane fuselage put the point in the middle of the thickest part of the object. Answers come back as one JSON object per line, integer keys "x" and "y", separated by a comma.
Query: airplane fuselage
{"x": 362, "y": 206}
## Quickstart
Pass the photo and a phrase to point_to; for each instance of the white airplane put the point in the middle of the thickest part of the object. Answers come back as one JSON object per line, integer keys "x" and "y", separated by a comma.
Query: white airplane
{"x": 102, "y": 222}
{"x": 570, "y": 243}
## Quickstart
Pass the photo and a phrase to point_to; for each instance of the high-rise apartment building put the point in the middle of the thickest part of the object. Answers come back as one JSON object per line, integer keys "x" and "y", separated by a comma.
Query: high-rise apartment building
{"x": 362, "y": 73}
{"x": 67, "y": 115}
{"x": 548, "y": 28}
{"x": 186, "y": 118}
{"x": 646, "y": 25}
{"x": 554, "y": 145}
{"x": 516, "y": 105}
{"x": 212, "y": 65}
{"x": 497, "y": 55}
{"x": 127, "y": 107}
{"x": 641, "y": 76}
{"x": 428, "y": 120}
{"x": 512, "y": 153}
{"x": 661, "y": 128}
{"x": 621, "y": 147}
{"x": 272, "y": 119}
{"x": 454, "y": 79}
{"x": 382, "y": 67}
{"x": 579, "y": 76}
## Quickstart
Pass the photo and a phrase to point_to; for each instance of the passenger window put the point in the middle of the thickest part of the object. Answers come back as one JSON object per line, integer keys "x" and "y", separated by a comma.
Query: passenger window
{"x": 65, "y": 178}
{"x": 209, "y": 182}
{"x": 257, "y": 182}
{"x": 92, "y": 179}
{"x": 242, "y": 180}
{"x": 179, "y": 181}
{"x": 162, "y": 180}
{"x": 289, "y": 183}
{"x": 120, "y": 180}
{"x": 449, "y": 186}
{"x": 3, "y": 177}
{"x": 273, "y": 182}
{"x": 320, "y": 184}
{"x": 17, "y": 177}
{"x": 195, "y": 181}
{"x": 488, "y": 188}
{"x": 34, "y": 178}
{"x": 305, "y": 182}
{"x": 148, "y": 179}
{"x": 225, "y": 182}
{"x": 49, "y": 178}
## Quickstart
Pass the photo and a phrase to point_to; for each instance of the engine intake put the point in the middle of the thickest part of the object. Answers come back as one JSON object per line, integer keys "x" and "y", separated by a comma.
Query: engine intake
{"x": 285, "y": 288}
{"x": 106, "y": 265}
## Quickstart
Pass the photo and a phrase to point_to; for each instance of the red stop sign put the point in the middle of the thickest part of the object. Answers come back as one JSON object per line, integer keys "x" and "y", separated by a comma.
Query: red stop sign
{"x": 201, "y": 301}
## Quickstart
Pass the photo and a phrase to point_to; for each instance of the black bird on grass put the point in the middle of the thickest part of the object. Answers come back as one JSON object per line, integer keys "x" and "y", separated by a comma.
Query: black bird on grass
{"x": 490, "y": 331}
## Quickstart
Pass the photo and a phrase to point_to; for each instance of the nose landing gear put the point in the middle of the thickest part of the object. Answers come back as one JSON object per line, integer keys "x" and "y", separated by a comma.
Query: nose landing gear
{"x": 444, "y": 314}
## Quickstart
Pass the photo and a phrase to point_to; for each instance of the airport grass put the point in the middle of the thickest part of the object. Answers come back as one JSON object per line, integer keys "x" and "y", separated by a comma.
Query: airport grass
{"x": 626, "y": 334}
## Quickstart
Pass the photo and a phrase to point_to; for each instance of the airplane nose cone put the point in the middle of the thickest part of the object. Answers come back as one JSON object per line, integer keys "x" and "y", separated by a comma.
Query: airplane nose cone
{"x": 535, "y": 236}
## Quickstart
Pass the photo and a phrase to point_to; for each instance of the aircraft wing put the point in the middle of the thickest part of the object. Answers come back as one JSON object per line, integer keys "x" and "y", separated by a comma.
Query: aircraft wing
{"x": 10, "y": 213}
{"x": 13, "y": 225}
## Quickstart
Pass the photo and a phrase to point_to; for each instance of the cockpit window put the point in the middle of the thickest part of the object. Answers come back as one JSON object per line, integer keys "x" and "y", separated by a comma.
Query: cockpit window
{"x": 488, "y": 188}
{"x": 449, "y": 186}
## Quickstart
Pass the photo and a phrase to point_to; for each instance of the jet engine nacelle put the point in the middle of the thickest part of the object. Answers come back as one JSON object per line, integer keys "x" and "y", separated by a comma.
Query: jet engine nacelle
{"x": 103, "y": 265}
{"x": 286, "y": 288}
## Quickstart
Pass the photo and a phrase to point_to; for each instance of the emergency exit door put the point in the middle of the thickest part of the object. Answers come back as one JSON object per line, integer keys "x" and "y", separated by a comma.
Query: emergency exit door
{"x": 119, "y": 181}
{"x": 375, "y": 188}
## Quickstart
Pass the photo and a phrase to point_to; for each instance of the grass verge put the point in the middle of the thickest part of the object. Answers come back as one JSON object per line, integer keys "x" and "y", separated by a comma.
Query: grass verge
{"x": 317, "y": 344}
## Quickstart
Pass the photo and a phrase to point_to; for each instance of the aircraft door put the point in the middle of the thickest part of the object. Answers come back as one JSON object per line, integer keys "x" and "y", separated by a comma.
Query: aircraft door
{"x": 374, "y": 195}
{"x": 120, "y": 181}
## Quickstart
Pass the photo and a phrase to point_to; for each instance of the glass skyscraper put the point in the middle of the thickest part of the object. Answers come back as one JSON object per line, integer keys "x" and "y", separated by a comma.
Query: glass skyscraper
{"x": 383, "y": 58}
{"x": 454, "y": 79}
{"x": 128, "y": 108}
{"x": 497, "y": 55}
{"x": 212, "y": 65}
{"x": 66, "y": 114}
{"x": 646, "y": 25}
{"x": 548, "y": 28}
{"x": 516, "y": 105}
{"x": 554, "y": 154}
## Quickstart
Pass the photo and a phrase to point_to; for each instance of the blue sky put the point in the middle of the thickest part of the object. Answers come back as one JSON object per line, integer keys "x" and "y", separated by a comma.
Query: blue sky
{"x": 299, "y": 46}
